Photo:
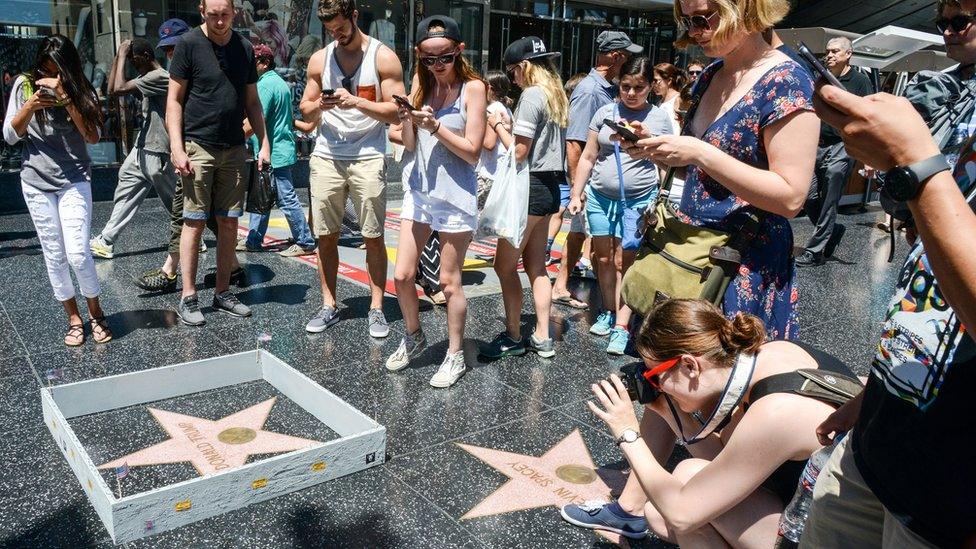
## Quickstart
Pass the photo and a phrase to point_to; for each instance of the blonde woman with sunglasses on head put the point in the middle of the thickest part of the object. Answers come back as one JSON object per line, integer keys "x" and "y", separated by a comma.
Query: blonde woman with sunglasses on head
{"x": 748, "y": 146}
{"x": 747, "y": 456}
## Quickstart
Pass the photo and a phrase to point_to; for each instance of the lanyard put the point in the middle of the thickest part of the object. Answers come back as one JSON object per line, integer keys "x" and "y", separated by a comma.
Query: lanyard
{"x": 735, "y": 389}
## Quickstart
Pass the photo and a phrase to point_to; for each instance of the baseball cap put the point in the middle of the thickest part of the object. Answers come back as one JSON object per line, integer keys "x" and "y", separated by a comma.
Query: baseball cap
{"x": 615, "y": 40}
{"x": 170, "y": 32}
{"x": 450, "y": 30}
{"x": 529, "y": 47}
{"x": 262, "y": 51}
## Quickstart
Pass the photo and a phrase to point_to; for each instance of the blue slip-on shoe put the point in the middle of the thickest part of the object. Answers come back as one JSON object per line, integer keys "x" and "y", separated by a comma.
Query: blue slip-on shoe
{"x": 619, "y": 338}
{"x": 599, "y": 515}
{"x": 603, "y": 324}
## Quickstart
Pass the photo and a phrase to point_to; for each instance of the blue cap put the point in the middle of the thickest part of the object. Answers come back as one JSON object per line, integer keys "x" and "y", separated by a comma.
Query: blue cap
{"x": 170, "y": 32}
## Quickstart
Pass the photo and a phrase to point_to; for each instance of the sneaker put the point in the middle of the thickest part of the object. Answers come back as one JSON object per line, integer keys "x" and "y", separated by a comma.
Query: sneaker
{"x": 810, "y": 259}
{"x": 189, "y": 311}
{"x": 450, "y": 371}
{"x": 202, "y": 248}
{"x": 603, "y": 324}
{"x": 598, "y": 515}
{"x": 411, "y": 346}
{"x": 295, "y": 251}
{"x": 503, "y": 345}
{"x": 227, "y": 302}
{"x": 377, "y": 323}
{"x": 543, "y": 348}
{"x": 834, "y": 240}
{"x": 155, "y": 280}
{"x": 101, "y": 249}
{"x": 327, "y": 316}
{"x": 243, "y": 247}
{"x": 619, "y": 337}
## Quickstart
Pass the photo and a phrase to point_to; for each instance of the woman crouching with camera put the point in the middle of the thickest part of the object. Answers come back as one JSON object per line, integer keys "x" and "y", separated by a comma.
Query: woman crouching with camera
{"x": 716, "y": 386}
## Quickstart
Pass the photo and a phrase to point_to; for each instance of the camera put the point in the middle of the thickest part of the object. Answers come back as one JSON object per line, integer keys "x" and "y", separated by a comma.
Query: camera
{"x": 638, "y": 387}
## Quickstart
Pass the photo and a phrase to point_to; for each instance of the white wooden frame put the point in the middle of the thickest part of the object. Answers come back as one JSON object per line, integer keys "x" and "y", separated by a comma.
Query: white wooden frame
{"x": 362, "y": 442}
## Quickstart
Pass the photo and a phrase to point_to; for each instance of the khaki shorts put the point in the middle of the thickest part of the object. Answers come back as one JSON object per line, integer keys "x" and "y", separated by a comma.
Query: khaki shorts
{"x": 218, "y": 182}
{"x": 846, "y": 513}
{"x": 332, "y": 180}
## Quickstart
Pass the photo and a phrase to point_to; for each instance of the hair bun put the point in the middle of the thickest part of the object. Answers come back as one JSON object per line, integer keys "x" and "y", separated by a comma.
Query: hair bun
{"x": 743, "y": 334}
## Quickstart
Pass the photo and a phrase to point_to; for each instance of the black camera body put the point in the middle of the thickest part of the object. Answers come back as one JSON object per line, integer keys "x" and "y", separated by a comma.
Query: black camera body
{"x": 638, "y": 387}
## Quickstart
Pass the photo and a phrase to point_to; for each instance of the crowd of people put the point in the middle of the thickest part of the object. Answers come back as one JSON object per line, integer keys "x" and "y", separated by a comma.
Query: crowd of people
{"x": 755, "y": 134}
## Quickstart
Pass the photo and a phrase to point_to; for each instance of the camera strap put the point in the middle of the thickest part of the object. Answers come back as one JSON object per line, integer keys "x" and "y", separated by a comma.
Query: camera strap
{"x": 735, "y": 389}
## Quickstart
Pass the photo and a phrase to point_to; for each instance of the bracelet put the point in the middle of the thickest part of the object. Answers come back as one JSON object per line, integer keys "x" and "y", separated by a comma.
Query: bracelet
{"x": 436, "y": 129}
{"x": 495, "y": 126}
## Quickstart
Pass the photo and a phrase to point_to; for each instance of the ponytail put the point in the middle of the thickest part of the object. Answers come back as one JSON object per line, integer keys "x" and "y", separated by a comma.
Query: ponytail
{"x": 698, "y": 328}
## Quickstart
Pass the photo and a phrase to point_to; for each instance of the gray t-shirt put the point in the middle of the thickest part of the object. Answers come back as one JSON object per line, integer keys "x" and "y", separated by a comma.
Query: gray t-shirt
{"x": 532, "y": 120}
{"x": 153, "y": 86}
{"x": 590, "y": 94}
{"x": 640, "y": 176}
{"x": 55, "y": 155}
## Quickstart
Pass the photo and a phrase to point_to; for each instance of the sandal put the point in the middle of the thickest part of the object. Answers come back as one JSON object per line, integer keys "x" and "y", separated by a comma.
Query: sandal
{"x": 98, "y": 323}
{"x": 75, "y": 336}
{"x": 571, "y": 301}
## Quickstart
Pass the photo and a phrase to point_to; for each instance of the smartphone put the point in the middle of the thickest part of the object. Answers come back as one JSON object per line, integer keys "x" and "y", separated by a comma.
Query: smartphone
{"x": 328, "y": 91}
{"x": 403, "y": 102}
{"x": 815, "y": 63}
{"x": 621, "y": 130}
{"x": 46, "y": 91}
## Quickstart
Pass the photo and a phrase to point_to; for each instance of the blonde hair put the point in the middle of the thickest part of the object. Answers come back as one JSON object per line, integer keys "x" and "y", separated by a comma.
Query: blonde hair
{"x": 737, "y": 17}
{"x": 542, "y": 73}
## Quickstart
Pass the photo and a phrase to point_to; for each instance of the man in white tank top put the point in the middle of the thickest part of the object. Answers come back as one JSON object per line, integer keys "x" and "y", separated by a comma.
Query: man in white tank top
{"x": 349, "y": 94}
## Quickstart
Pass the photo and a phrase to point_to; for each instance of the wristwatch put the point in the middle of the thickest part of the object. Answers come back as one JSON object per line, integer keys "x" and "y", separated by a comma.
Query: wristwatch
{"x": 629, "y": 435}
{"x": 903, "y": 183}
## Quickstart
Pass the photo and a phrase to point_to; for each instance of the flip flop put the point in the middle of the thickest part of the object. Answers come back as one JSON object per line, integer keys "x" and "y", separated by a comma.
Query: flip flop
{"x": 98, "y": 322}
{"x": 75, "y": 331}
{"x": 571, "y": 302}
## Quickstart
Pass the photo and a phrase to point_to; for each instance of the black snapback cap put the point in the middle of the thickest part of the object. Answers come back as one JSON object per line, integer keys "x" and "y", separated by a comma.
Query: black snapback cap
{"x": 450, "y": 28}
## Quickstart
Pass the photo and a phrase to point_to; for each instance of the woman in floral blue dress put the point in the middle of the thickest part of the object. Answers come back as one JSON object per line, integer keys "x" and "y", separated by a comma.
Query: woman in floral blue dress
{"x": 749, "y": 145}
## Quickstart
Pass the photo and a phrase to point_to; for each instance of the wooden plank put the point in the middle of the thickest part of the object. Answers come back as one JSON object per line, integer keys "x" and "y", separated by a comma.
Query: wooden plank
{"x": 119, "y": 391}
{"x": 331, "y": 410}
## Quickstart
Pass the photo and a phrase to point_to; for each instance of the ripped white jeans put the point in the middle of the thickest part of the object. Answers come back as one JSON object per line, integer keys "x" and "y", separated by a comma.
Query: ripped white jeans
{"x": 63, "y": 223}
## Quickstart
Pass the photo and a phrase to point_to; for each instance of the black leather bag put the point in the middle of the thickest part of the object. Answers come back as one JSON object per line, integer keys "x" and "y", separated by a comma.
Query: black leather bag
{"x": 262, "y": 193}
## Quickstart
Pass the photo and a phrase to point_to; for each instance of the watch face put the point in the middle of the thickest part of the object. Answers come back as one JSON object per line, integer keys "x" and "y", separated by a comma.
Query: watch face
{"x": 900, "y": 184}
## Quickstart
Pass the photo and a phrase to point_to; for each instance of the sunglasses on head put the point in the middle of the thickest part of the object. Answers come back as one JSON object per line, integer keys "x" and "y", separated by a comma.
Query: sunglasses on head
{"x": 431, "y": 60}
{"x": 698, "y": 22}
{"x": 957, "y": 24}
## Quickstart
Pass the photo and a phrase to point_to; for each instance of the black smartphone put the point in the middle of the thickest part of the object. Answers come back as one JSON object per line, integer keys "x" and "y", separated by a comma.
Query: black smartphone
{"x": 47, "y": 92}
{"x": 815, "y": 63}
{"x": 328, "y": 91}
{"x": 403, "y": 102}
{"x": 621, "y": 130}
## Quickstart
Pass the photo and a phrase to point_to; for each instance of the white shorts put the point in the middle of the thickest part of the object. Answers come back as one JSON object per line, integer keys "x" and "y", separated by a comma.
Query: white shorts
{"x": 440, "y": 215}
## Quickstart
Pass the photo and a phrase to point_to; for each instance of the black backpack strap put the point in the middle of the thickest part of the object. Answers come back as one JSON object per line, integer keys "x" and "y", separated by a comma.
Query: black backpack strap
{"x": 825, "y": 386}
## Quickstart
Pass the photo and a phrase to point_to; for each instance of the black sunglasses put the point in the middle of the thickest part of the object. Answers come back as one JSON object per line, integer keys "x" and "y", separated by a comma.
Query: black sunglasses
{"x": 698, "y": 22}
{"x": 431, "y": 60}
{"x": 958, "y": 23}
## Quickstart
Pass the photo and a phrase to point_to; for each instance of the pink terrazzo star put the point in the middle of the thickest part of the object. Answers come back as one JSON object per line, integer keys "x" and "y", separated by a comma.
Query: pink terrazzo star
{"x": 213, "y": 446}
{"x": 563, "y": 475}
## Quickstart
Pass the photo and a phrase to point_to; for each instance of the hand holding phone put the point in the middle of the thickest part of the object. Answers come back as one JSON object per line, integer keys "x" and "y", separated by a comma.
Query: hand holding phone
{"x": 402, "y": 102}
{"x": 328, "y": 91}
{"x": 817, "y": 66}
{"x": 621, "y": 130}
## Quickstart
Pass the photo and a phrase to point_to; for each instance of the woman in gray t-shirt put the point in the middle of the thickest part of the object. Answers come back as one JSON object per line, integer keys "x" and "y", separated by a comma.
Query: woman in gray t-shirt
{"x": 54, "y": 111}
{"x": 597, "y": 189}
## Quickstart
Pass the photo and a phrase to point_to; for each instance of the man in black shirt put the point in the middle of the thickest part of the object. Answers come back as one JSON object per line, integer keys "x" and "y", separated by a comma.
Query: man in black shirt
{"x": 212, "y": 88}
{"x": 833, "y": 165}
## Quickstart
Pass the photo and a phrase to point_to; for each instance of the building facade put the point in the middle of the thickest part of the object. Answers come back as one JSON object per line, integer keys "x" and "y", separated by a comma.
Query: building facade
{"x": 292, "y": 30}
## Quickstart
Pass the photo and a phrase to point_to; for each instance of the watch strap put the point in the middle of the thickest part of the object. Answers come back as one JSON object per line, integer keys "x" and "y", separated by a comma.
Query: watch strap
{"x": 930, "y": 166}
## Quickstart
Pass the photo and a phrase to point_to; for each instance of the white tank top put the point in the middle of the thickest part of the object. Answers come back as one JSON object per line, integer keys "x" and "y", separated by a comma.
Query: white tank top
{"x": 348, "y": 133}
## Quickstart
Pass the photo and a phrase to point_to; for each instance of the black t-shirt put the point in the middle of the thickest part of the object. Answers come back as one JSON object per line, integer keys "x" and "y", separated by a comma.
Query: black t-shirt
{"x": 915, "y": 440}
{"x": 216, "y": 77}
{"x": 857, "y": 83}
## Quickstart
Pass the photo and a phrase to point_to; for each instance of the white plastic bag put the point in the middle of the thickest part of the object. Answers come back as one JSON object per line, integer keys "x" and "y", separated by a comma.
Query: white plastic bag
{"x": 506, "y": 209}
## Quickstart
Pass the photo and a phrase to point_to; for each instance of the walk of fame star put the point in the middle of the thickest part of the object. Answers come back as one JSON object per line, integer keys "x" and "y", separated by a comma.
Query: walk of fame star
{"x": 564, "y": 474}
{"x": 213, "y": 446}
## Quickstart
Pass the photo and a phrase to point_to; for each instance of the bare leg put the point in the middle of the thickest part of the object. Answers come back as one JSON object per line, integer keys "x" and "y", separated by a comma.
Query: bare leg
{"x": 413, "y": 235}
{"x": 622, "y": 260}
{"x": 71, "y": 309}
{"x": 506, "y": 262}
{"x": 226, "y": 254}
{"x": 376, "y": 268}
{"x": 328, "y": 251}
{"x": 454, "y": 246}
{"x": 555, "y": 223}
{"x": 534, "y": 260}
{"x": 606, "y": 275}
{"x": 571, "y": 255}
{"x": 190, "y": 253}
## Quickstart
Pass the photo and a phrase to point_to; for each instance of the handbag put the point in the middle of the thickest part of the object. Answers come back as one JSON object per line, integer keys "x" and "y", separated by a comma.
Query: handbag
{"x": 506, "y": 210}
{"x": 262, "y": 193}
{"x": 680, "y": 260}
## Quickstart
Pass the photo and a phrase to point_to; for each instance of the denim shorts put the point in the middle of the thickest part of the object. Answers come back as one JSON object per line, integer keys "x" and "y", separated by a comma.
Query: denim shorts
{"x": 604, "y": 214}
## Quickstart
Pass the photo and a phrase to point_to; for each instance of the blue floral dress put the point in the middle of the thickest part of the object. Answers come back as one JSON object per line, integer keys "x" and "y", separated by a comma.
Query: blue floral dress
{"x": 766, "y": 285}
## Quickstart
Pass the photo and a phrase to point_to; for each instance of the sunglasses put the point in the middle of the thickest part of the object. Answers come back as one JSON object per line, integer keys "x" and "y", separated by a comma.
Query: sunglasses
{"x": 653, "y": 376}
{"x": 431, "y": 60}
{"x": 958, "y": 23}
{"x": 694, "y": 73}
{"x": 698, "y": 22}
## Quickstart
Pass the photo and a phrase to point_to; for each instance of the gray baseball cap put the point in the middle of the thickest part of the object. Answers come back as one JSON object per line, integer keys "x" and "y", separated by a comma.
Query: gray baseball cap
{"x": 615, "y": 40}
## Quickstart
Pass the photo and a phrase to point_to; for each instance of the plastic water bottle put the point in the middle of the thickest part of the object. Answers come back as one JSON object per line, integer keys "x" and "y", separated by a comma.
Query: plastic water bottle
{"x": 959, "y": 137}
{"x": 795, "y": 515}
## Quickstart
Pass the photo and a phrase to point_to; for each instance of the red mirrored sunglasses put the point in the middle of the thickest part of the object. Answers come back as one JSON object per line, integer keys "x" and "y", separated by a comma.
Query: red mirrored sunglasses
{"x": 653, "y": 375}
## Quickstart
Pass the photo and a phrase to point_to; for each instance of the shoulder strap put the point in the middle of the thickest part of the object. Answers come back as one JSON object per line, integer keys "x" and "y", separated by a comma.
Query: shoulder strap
{"x": 829, "y": 387}
{"x": 620, "y": 169}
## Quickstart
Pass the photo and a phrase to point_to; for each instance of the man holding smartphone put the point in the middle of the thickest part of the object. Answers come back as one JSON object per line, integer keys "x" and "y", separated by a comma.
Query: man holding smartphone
{"x": 350, "y": 149}
{"x": 833, "y": 166}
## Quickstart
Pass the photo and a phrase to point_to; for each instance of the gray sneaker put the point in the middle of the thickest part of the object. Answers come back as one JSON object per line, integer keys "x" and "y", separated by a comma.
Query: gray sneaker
{"x": 411, "y": 346}
{"x": 377, "y": 323}
{"x": 227, "y": 302}
{"x": 189, "y": 311}
{"x": 327, "y": 316}
{"x": 544, "y": 348}
{"x": 295, "y": 251}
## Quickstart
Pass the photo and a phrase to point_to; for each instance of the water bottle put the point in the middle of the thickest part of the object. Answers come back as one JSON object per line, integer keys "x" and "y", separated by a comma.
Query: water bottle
{"x": 959, "y": 137}
{"x": 795, "y": 515}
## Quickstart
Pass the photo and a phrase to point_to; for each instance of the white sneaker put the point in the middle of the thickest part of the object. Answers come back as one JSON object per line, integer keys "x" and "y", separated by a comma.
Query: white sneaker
{"x": 450, "y": 371}
{"x": 411, "y": 346}
{"x": 100, "y": 249}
